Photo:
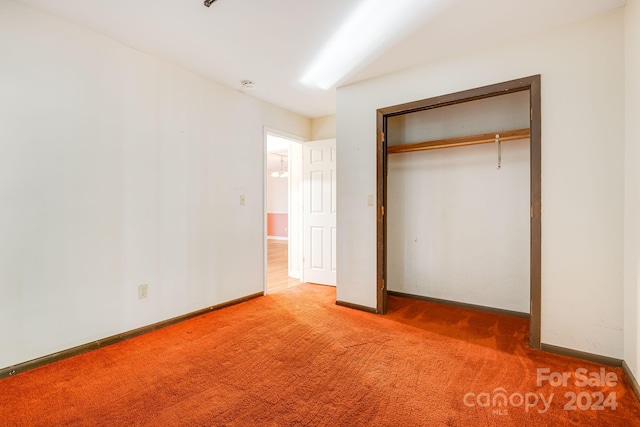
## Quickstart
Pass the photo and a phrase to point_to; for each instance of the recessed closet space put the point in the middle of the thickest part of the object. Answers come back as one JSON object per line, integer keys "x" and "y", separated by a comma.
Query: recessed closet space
{"x": 458, "y": 205}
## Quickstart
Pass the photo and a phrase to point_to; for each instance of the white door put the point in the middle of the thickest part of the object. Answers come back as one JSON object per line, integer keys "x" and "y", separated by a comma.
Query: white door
{"x": 319, "y": 212}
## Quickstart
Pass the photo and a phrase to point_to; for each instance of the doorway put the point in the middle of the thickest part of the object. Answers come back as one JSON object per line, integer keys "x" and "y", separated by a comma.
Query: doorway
{"x": 300, "y": 211}
{"x": 282, "y": 211}
{"x": 531, "y": 84}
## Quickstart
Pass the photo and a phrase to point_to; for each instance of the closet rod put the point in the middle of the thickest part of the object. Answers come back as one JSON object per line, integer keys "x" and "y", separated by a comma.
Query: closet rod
{"x": 507, "y": 135}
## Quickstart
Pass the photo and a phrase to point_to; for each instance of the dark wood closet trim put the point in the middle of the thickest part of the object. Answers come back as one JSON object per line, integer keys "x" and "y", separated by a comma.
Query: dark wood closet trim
{"x": 64, "y": 354}
{"x": 461, "y": 141}
{"x": 532, "y": 84}
{"x": 576, "y": 354}
{"x": 490, "y": 91}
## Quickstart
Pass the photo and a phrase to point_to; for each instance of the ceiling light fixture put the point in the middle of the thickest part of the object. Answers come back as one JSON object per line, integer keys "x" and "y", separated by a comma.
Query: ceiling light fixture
{"x": 373, "y": 27}
{"x": 282, "y": 173}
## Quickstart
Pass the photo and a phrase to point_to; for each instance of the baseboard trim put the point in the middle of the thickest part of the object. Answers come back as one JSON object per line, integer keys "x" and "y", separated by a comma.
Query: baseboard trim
{"x": 461, "y": 305}
{"x": 633, "y": 382}
{"x": 356, "y": 307}
{"x": 577, "y": 354}
{"x": 84, "y": 348}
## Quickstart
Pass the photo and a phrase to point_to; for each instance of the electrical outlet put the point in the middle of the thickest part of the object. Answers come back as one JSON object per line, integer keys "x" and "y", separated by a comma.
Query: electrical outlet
{"x": 143, "y": 291}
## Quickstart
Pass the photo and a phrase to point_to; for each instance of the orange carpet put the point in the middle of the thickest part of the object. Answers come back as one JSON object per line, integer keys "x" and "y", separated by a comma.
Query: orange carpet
{"x": 296, "y": 359}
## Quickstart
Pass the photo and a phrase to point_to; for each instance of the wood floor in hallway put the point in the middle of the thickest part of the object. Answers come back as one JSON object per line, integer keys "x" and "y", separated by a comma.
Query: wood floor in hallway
{"x": 278, "y": 266}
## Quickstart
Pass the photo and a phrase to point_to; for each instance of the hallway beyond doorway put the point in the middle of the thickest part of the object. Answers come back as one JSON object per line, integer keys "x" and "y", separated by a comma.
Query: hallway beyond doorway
{"x": 277, "y": 266}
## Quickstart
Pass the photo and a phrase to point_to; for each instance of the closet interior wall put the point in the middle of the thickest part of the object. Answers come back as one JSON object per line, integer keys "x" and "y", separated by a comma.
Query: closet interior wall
{"x": 458, "y": 219}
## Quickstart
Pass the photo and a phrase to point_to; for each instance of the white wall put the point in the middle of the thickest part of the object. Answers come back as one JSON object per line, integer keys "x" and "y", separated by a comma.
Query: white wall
{"x": 582, "y": 67}
{"x": 323, "y": 128}
{"x": 632, "y": 189}
{"x": 118, "y": 169}
{"x": 277, "y": 194}
{"x": 458, "y": 228}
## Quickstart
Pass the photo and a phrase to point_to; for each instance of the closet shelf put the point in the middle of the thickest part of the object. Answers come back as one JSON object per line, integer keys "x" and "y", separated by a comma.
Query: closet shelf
{"x": 507, "y": 135}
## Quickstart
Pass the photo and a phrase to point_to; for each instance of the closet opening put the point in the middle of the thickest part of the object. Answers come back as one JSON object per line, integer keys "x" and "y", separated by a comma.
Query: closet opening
{"x": 455, "y": 221}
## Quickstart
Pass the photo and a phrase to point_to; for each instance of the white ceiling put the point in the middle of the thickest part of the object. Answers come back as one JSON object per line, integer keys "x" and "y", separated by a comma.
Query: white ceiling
{"x": 273, "y": 42}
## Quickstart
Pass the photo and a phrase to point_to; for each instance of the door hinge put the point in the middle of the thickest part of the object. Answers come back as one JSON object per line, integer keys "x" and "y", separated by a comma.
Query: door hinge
{"x": 382, "y": 284}
{"x": 382, "y": 136}
{"x": 382, "y": 210}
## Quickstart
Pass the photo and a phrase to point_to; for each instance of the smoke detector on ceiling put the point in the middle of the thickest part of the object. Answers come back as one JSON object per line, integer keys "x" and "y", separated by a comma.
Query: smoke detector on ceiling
{"x": 247, "y": 84}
